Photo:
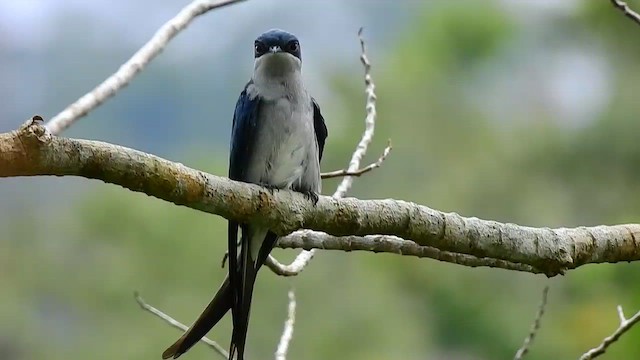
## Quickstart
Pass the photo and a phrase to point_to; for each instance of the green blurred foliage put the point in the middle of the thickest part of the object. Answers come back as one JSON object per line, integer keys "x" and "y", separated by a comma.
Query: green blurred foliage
{"x": 72, "y": 299}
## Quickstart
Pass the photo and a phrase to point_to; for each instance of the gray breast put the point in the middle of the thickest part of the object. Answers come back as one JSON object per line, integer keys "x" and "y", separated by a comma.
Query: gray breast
{"x": 286, "y": 145}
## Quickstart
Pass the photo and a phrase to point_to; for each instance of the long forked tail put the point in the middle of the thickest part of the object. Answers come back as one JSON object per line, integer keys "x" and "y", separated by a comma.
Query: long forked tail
{"x": 250, "y": 262}
{"x": 217, "y": 308}
{"x": 241, "y": 323}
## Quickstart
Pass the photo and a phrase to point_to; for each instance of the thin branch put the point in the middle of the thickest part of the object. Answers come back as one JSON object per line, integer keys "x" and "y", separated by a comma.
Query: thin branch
{"x": 303, "y": 259}
{"x": 370, "y": 122}
{"x": 626, "y": 9}
{"x": 625, "y": 325}
{"x": 178, "y": 325}
{"x": 307, "y": 239}
{"x": 225, "y": 257}
{"x": 287, "y": 332}
{"x": 361, "y": 171}
{"x": 534, "y": 328}
{"x": 31, "y": 151}
{"x": 134, "y": 65}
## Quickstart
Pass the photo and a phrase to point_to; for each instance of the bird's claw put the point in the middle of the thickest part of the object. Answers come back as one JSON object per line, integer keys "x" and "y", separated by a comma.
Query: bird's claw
{"x": 271, "y": 188}
{"x": 312, "y": 196}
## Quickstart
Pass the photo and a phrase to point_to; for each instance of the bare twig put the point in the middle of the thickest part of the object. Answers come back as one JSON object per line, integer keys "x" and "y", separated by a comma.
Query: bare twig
{"x": 361, "y": 171}
{"x": 626, "y": 9}
{"x": 625, "y": 325}
{"x": 287, "y": 332}
{"x": 305, "y": 256}
{"x": 134, "y": 65}
{"x": 534, "y": 327}
{"x": 370, "y": 122}
{"x": 225, "y": 257}
{"x": 178, "y": 325}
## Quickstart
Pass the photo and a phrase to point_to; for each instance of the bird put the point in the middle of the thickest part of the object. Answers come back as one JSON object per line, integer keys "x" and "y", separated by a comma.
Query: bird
{"x": 277, "y": 140}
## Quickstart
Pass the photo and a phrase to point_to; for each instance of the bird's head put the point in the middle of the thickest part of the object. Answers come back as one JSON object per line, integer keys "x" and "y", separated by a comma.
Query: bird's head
{"x": 277, "y": 53}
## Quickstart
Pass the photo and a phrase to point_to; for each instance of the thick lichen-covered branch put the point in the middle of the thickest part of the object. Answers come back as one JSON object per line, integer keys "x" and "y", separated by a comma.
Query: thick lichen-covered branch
{"x": 31, "y": 151}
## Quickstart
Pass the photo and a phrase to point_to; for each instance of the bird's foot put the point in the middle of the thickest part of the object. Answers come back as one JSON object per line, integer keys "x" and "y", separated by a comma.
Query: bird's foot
{"x": 312, "y": 196}
{"x": 271, "y": 188}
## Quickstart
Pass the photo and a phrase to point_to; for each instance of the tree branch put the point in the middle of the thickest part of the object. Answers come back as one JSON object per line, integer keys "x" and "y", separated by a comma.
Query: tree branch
{"x": 134, "y": 65}
{"x": 178, "y": 325}
{"x": 31, "y": 151}
{"x": 362, "y": 171}
{"x": 307, "y": 239}
{"x": 628, "y": 12}
{"x": 534, "y": 328}
{"x": 369, "y": 121}
{"x": 625, "y": 325}
{"x": 287, "y": 332}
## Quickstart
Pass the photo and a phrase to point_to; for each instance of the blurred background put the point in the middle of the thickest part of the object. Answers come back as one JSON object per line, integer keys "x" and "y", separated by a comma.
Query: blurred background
{"x": 520, "y": 111}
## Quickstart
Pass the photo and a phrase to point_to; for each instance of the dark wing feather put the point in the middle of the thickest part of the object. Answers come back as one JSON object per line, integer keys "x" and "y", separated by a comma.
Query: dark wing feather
{"x": 242, "y": 140}
{"x": 231, "y": 294}
{"x": 243, "y": 135}
{"x": 320, "y": 127}
{"x": 247, "y": 280}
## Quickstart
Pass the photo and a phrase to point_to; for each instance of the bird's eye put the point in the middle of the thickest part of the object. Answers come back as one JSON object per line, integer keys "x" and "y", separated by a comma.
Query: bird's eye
{"x": 260, "y": 48}
{"x": 293, "y": 46}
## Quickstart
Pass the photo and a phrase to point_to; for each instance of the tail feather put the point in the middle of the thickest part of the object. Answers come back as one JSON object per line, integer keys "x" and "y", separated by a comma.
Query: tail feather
{"x": 232, "y": 238}
{"x": 229, "y": 298}
{"x": 211, "y": 315}
{"x": 241, "y": 323}
{"x": 250, "y": 262}
{"x": 248, "y": 269}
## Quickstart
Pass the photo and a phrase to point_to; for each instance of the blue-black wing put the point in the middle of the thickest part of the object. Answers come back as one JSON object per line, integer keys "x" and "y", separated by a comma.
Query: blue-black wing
{"x": 241, "y": 271}
{"x": 243, "y": 134}
{"x": 242, "y": 141}
{"x": 320, "y": 127}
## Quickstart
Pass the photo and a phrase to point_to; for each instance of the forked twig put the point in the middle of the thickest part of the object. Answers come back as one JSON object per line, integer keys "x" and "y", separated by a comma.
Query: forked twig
{"x": 361, "y": 171}
{"x": 625, "y": 325}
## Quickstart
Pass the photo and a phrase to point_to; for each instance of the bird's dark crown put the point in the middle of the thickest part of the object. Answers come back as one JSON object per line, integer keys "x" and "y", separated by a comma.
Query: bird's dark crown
{"x": 286, "y": 41}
